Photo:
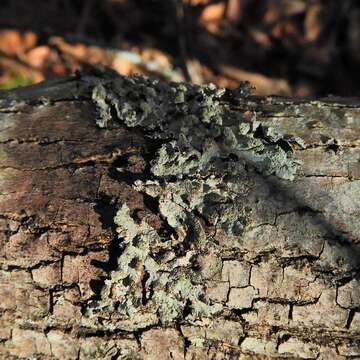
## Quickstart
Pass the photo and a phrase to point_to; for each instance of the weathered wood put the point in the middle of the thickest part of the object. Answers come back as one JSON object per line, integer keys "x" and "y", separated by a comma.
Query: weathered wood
{"x": 154, "y": 221}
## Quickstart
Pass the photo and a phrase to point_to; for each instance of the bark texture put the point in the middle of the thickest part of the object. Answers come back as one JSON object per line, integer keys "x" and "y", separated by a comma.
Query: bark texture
{"x": 142, "y": 220}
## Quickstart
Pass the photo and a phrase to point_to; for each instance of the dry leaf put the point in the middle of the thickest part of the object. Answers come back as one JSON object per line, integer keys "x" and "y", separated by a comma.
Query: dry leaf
{"x": 313, "y": 22}
{"x": 13, "y": 42}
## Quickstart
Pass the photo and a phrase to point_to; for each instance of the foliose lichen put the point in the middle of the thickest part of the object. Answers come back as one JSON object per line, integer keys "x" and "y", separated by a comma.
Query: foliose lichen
{"x": 199, "y": 177}
{"x": 199, "y": 126}
{"x": 145, "y": 281}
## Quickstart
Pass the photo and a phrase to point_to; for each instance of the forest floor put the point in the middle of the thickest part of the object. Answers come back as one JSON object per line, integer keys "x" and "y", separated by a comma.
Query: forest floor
{"x": 283, "y": 47}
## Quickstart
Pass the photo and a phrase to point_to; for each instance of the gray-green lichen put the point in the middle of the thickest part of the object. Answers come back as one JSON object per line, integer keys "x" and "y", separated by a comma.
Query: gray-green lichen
{"x": 145, "y": 281}
{"x": 155, "y": 273}
{"x": 207, "y": 148}
{"x": 99, "y": 96}
{"x": 196, "y": 127}
{"x": 208, "y": 198}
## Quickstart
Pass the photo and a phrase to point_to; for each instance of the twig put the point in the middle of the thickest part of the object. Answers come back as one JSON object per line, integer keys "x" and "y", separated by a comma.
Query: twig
{"x": 180, "y": 29}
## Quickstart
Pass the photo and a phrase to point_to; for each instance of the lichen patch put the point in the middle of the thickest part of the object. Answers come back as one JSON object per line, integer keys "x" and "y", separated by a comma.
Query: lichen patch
{"x": 150, "y": 279}
{"x": 199, "y": 129}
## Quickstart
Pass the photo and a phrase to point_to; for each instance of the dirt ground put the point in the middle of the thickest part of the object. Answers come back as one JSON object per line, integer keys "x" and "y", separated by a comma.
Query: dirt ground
{"x": 283, "y": 47}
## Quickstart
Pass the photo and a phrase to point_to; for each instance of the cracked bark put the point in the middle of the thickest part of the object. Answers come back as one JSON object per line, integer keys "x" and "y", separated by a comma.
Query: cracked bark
{"x": 282, "y": 268}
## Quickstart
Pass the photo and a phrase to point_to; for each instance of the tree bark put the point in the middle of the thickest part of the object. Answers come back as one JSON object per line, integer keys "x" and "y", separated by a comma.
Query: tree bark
{"x": 142, "y": 220}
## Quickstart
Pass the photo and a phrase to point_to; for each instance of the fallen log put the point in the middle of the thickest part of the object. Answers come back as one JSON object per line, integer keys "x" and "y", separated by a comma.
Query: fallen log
{"x": 147, "y": 220}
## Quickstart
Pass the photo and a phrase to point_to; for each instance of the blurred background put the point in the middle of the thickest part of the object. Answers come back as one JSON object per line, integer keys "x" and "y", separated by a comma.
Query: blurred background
{"x": 283, "y": 47}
